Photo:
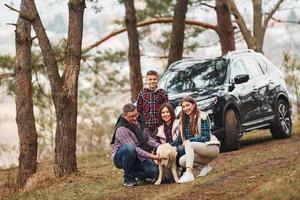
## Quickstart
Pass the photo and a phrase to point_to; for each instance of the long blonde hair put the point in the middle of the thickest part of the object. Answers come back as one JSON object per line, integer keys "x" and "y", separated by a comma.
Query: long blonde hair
{"x": 194, "y": 118}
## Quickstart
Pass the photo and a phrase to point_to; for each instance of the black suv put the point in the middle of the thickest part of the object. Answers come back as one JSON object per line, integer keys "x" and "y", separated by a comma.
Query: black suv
{"x": 241, "y": 91}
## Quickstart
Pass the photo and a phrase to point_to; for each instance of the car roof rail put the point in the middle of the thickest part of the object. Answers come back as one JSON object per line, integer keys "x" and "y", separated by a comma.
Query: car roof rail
{"x": 237, "y": 52}
{"x": 174, "y": 64}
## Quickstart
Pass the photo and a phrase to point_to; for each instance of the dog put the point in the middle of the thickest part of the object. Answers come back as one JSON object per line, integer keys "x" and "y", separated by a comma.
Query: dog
{"x": 167, "y": 162}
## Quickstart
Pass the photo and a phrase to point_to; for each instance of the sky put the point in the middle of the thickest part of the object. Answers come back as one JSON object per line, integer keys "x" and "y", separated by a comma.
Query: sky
{"x": 54, "y": 14}
{"x": 95, "y": 24}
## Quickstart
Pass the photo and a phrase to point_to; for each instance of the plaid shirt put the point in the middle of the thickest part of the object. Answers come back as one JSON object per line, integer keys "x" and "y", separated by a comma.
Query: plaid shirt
{"x": 148, "y": 103}
{"x": 126, "y": 136}
{"x": 204, "y": 135}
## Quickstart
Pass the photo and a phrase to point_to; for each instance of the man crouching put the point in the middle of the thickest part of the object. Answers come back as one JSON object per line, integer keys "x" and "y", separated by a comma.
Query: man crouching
{"x": 131, "y": 147}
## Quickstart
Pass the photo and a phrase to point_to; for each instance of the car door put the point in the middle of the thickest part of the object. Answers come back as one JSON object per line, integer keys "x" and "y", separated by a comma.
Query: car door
{"x": 269, "y": 96}
{"x": 259, "y": 87}
{"x": 243, "y": 92}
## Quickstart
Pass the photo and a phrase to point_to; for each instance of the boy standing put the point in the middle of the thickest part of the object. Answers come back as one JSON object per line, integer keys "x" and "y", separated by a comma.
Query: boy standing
{"x": 149, "y": 100}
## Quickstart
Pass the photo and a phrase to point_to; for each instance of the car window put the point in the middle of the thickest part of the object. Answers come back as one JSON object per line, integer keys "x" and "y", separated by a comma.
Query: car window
{"x": 237, "y": 68}
{"x": 196, "y": 77}
{"x": 252, "y": 67}
{"x": 262, "y": 64}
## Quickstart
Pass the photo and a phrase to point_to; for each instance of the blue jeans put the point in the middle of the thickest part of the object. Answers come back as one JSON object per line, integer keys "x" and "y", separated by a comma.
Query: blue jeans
{"x": 126, "y": 159}
{"x": 180, "y": 152}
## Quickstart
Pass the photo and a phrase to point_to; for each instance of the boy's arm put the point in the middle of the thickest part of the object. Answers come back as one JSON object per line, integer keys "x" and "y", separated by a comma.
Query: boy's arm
{"x": 139, "y": 103}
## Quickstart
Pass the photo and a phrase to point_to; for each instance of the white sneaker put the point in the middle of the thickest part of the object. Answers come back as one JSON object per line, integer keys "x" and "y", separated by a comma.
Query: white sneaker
{"x": 186, "y": 177}
{"x": 205, "y": 170}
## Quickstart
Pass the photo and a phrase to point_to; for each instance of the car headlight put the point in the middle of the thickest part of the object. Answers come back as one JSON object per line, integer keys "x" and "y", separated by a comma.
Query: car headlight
{"x": 207, "y": 103}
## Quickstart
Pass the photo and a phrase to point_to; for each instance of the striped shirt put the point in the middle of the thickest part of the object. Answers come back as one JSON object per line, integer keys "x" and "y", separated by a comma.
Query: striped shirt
{"x": 148, "y": 103}
{"x": 126, "y": 136}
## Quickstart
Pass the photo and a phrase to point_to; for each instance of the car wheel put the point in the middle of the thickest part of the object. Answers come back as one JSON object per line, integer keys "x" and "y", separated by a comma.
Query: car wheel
{"x": 231, "y": 142}
{"x": 283, "y": 123}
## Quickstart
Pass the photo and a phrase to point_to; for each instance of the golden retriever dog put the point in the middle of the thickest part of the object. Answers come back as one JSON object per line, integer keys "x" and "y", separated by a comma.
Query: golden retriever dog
{"x": 167, "y": 162}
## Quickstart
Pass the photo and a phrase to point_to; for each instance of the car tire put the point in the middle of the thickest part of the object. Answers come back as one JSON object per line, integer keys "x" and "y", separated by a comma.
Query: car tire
{"x": 282, "y": 127}
{"x": 230, "y": 142}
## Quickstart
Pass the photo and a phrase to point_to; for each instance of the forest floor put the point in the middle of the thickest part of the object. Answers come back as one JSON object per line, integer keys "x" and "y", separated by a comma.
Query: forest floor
{"x": 263, "y": 168}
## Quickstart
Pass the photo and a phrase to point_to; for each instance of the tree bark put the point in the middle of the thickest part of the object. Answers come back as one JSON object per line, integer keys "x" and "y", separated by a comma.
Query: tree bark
{"x": 24, "y": 104}
{"x": 64, "y": 89}
{"x": 224, "y": 27}
{"x": 136, "y": 81}
{"x": 65, "y": 138}
{"x": 177, "y": 37}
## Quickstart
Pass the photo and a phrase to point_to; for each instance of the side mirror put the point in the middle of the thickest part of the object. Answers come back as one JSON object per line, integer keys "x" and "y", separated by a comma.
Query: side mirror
{"x": 242, "y": 78}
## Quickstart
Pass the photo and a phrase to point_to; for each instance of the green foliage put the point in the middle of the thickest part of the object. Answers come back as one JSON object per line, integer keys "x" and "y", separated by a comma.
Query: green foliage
{"x": 292, "y": 70}
{"x": 95, "y": 5}
{"x": 7, "y": 64}
{"x": 191, "y": 44}
{"x": 101, "y": 73}
{"x": 154, "y": 9}
{"x": 292, "y": 73}
{"x": 157, "y": 9}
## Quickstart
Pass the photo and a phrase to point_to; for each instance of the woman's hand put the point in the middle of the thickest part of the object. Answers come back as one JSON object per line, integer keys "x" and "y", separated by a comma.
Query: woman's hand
{"x": 185, "y": 142}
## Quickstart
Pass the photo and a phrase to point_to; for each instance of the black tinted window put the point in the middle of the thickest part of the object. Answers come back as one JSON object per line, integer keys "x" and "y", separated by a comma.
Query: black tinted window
{"x": 195, "y": 77}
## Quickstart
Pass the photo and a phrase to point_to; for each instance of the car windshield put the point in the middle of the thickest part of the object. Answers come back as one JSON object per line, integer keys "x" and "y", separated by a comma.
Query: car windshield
{"x": 195, "y": 77}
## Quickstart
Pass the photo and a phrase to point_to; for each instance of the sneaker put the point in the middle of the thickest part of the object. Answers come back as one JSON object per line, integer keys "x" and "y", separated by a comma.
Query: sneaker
{"x": 150, "y": 180}
{"x": 205, "y": 170}
{"x": 186, "y": 177}
{"x": 130, "y": 183}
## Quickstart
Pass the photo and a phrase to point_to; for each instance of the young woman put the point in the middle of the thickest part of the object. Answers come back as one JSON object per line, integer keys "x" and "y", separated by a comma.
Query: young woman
{"x": 201, "y": 147}
{"x": 168, "y": 129}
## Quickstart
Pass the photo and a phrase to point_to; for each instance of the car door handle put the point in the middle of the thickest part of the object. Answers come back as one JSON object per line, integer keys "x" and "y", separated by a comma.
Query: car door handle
{"x": 255, "y": 89}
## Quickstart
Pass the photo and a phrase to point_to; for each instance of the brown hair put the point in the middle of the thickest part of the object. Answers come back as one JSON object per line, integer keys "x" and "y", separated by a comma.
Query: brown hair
{"x": 170, "y": 108}
{"x": 193, "y": 120}
{"x": 152, "y": 72}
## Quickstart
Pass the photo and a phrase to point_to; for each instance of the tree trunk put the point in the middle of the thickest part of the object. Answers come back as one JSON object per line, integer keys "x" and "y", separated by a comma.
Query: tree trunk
{"x": 136, "y": 81}
{"x": 64, "y": 89}
{"x": 177, "y": 37}
{"x": 254, "y": 41}
{"x": 65, "y": 139}
{"x": 225, "y": 28}
{"x": 24, "y": 105}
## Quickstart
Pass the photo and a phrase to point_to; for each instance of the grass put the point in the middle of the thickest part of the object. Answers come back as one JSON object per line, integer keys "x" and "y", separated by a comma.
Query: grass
{"x": 263, "y": 168}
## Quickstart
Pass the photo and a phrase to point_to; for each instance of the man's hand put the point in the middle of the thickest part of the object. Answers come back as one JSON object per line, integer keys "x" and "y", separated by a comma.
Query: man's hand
{"x": 155, "y": 157}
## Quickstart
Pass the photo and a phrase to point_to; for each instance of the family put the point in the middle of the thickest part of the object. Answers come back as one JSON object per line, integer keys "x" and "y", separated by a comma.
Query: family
{"x": 152, "y": 122}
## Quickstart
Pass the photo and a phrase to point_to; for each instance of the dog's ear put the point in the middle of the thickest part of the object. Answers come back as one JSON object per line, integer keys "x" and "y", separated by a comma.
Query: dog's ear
{"x": 158, "y": 161}
{"x": 169, "y": 161}
{"x": 173, "y": 155}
